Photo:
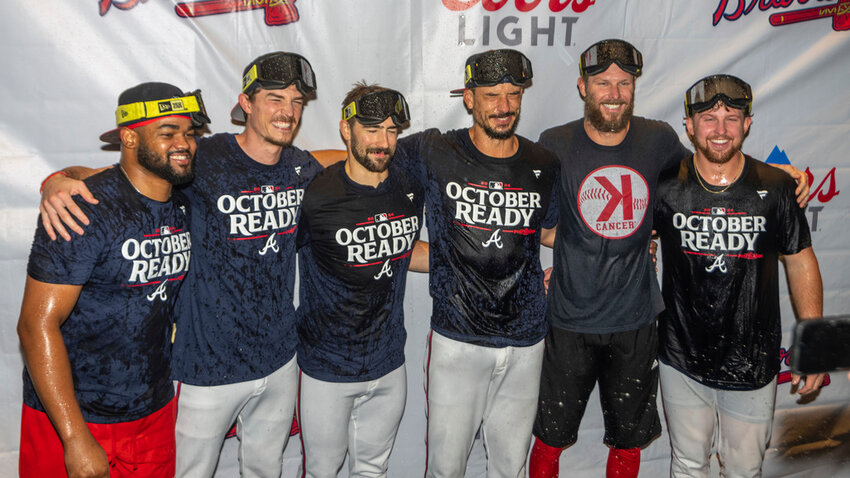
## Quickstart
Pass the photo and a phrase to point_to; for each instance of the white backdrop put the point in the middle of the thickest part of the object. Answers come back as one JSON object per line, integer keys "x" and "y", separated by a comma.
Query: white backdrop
{"x": 64, "y": 64}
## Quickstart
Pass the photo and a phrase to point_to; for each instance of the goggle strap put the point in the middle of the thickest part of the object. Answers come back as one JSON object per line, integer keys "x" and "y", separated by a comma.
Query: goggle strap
{"x": 349, "y": 111}
{"x": 249, "y": 78}
{"x": 156, "y": 109}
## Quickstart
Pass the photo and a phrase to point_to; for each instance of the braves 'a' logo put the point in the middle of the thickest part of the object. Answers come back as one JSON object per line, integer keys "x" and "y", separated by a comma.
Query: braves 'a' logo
{"x": 159, "y": 293}
{"x": 385, "y": 270}
{"x": 495, "y": 239}
{"x": 271, "y": 245}
{"x": 718, "y": 264}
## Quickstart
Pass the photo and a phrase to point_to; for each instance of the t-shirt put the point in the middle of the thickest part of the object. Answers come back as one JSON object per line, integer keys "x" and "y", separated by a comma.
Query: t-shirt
{"x": 720, "y": 249}
{"x": 603, "y": 279}
{"x": 484, "y": 216}
{"x": 236, "y": 320}
{"x": 130, "y": 262}
{"x": 355, "y": 243}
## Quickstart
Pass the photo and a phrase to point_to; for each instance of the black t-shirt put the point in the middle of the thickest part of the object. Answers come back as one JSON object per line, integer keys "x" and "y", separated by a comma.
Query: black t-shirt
{"x": 484, "y": 219}
{"x": 604, "y": 279}
{"x": 720, "y": 250}
{"x": 354, "y": 245}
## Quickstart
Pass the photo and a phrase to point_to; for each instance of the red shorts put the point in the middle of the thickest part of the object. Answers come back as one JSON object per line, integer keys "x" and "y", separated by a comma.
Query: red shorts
{"x": 141, "y": 448}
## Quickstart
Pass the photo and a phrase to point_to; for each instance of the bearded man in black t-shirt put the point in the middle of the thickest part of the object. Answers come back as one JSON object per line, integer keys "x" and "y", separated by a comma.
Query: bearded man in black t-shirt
{"x": 724, "y": 218}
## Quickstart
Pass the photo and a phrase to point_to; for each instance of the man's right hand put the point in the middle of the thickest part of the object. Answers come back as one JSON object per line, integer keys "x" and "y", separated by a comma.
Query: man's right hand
{"x": 58, "y": 209}
{"x": 84, "y": 458}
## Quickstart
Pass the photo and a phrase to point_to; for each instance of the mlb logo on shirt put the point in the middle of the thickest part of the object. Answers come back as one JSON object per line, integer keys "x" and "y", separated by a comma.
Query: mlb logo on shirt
{"x": 266, "y": 189}
{"x": 496, "y": 185}
{"x": 718, "y": 211}
{"x": 165, "y": 230}
{"x": 382, "y": 217}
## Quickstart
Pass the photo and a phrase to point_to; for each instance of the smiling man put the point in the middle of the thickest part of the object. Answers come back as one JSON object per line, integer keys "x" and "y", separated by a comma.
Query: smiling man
{"x": 724, "y": 218}
{"x": 357, "y": 236}
{"x": 489, "y": 205}
{"x": 97, "y": 311}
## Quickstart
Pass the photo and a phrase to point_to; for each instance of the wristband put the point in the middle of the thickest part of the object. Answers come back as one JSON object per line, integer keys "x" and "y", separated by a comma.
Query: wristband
{"x": 63, "y": 173}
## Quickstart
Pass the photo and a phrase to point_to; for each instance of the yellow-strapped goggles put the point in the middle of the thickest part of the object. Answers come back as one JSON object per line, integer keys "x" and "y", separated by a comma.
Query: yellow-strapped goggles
{"x": 373, "y": 108}
{"x": 191, "y": 105}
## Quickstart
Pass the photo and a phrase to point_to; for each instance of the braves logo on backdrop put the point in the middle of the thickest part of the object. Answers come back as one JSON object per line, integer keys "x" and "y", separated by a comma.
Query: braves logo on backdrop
{"x": 157, "y": 259}
{"x": 511, "y": 30}
{"x": 838, "y": 12}
{"x": 119, "y": 4}
{"x": 261, "y": 213}
{"x": 378, "y": 240}
{"x": 613, "y": 200}
{"x": 277, "y": 12}
{"x": 822, "y": 191}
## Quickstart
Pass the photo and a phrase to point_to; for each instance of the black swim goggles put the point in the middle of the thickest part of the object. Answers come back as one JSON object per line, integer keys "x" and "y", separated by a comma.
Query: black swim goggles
{"x": 599, "y": 56}
{"x": 278, "y": 70}
{"x": 497, "y": 66}
{"x": 373, "y": 108}
{"x": 731, "y": 90}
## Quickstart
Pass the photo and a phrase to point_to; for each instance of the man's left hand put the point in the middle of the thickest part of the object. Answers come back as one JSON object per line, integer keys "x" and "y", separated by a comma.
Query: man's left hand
{"x": 811, "y": 382}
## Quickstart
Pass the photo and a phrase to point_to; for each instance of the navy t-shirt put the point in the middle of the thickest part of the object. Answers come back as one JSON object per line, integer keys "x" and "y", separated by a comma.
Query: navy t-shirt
{"x": 720, "y": 248}
{"x": 604, "y": 280}
{"x": 236, "y": 320}
{"x": 355, "y": 243}
{"x": 131, "y": 263}
{"x": 484, "y": 218}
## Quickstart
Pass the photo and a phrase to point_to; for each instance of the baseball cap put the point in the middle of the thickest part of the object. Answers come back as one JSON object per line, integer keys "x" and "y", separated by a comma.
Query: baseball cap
{"x": 273, "y": 71}
{"x": 151, "y": 101}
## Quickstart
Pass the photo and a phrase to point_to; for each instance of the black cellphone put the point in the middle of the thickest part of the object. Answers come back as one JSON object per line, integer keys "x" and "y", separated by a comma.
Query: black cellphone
{"x": 821, "y": 345}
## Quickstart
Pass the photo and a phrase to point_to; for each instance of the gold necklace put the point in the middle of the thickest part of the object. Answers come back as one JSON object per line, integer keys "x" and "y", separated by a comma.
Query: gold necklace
{"x": 137, "y": 189}
{"x": 699, "y": 179}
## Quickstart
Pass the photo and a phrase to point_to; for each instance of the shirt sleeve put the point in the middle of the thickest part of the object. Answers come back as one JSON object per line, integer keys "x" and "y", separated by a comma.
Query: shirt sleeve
{"x": 67, "y": 262}
{"x": 793, "y": 231}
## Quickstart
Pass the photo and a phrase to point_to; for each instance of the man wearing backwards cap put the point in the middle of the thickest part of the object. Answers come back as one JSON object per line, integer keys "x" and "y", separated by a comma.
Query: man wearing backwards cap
{"x": 603, "y": 297}
{"x": 357, "y": 235}
{"x": 234, "y": 353}
{"x": 488, "y": 198}
{"x": 720, "y": 333}
{"x": 96, "y": 315}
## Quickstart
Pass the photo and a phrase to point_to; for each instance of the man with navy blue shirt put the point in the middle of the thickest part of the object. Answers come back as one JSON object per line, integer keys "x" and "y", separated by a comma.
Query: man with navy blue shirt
{"x": 96, "y": 318}
{"x": 489, "y": 203}
{"x": 234, "y": 349}
{"x": 357, "y": 236}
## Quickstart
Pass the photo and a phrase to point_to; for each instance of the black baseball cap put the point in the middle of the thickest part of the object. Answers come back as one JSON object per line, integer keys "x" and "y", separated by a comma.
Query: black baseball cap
{"x": 151, "y": 101}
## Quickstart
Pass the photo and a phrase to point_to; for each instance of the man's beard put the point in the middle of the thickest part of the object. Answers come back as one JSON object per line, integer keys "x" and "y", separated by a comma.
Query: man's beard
{"x": 500, "y": 134}
{"x": 160, "y": 165}
{"x": 717, "y": 157}
{"x": 362, "y": 157}
{"x": 594, "y": 115}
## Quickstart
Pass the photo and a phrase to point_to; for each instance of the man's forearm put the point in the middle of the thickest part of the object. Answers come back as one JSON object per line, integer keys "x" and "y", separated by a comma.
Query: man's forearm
{"x": 805, "y": 284}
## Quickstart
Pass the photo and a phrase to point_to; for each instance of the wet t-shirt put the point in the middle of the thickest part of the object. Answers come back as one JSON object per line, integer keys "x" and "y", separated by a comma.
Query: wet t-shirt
{"x": 130, "y": 262}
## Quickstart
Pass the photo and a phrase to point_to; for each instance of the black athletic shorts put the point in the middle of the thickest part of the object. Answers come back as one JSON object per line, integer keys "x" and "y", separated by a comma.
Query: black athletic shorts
{"x": 624, "y": 364}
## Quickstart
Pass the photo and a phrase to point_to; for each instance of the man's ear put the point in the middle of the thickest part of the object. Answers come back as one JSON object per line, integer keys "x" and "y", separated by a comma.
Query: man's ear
{"x": 245, "y": 103}
{"x": 129, "y": 138}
